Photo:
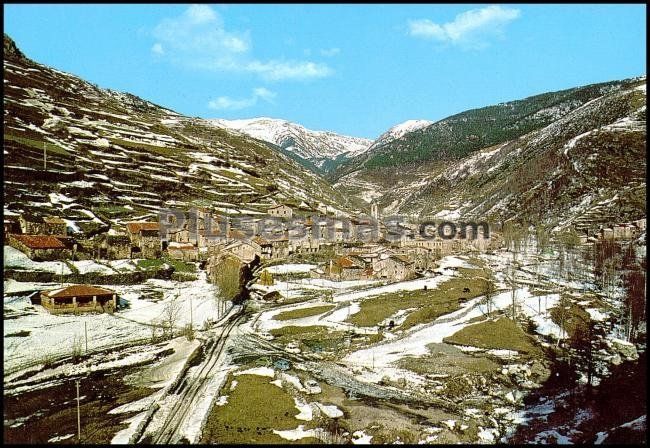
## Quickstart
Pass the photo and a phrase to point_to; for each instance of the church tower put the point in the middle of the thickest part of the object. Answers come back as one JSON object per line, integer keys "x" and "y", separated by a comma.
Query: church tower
{"x": 374, "y": 210}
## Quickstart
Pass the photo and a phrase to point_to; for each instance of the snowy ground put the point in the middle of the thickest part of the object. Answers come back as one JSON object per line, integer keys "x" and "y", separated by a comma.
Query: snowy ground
{"x": 290, "y": 268}
{"x": 15, "y": 259}
{"x": 51, "y": 336}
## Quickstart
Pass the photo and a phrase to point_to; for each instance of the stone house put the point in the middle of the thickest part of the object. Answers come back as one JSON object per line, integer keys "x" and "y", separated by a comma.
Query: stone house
{"x": 41, "y": 247}
{"x": 624, "y": 231}
{"x": 145, "y": 239}
{"x": 183, "y": 251}
{"x": 247, "y": 251}
{"x": 78, "y": 299}
{"x": 607, "y": 233}
{"x": 281, "y": 211}
{"x": 266, "y": 247}
{"x": 11, "y": 225}
{"x": 117, "y": 247}
{"x": 37, "y": 225}
{"x": 395, "y": 267}
{"x": 349, "y": 267}
{"x": 422, "y": 257}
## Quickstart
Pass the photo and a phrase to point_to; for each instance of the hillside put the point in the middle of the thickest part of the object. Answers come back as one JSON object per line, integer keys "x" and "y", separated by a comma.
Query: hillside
{"x": 321, "y": 151}
{"x": 113, "y": 156}
{"x": 586, "y": 165}
{"x": 459, "y": 135}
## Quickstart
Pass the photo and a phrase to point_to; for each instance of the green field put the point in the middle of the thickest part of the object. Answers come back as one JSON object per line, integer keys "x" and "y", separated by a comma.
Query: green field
{"x": 254, "y": 409}
{"x": 502, "y": 334}
{"x": 429, "y": 304}
{"x": 303, "y": 312}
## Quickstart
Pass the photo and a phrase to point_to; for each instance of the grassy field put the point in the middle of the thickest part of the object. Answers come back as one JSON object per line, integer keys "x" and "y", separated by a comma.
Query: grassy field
{"x": 315, "y": 337}
{"x": 38, "y": 144}
{"x": 569, "y": 316}
{"x": 178, "y": 265}
{"x": 303, "y": 312}
{"x": 447, "y": 360}
{"x": 429, "y": 304}
{"x": 502, "y": 333}
{"x": 254, "y": 409}
{"x": 160, "y": 150}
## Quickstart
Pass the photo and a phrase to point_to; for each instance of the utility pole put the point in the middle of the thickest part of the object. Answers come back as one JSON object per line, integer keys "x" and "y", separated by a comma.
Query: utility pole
{"x": 86, "y": 332}
{"x": 78, "y": 414}
{"x": 191, "y": 319}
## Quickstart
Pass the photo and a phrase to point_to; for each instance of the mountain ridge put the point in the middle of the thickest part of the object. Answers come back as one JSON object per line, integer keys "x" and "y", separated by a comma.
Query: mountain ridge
{"x": 98, "y": 157}
{"x": 318, "y": 150}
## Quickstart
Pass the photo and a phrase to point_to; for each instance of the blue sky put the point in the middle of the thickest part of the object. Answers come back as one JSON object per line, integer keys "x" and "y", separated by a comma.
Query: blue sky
{"x": 352, "y": 69}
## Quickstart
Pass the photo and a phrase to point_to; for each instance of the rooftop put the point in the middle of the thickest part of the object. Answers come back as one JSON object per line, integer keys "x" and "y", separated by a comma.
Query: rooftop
{"x": 78, "y": 291}
{"x": 40, "y": 241}
{"x": 135, "y": 227}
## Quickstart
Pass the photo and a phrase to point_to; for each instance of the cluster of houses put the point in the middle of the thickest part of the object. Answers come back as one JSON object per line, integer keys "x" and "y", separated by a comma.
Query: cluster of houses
{"x": 360, "y": 245}
{"x": 370, "y": 261}
{"x": 40, "y": 238}
{"x": 618, "y": 231}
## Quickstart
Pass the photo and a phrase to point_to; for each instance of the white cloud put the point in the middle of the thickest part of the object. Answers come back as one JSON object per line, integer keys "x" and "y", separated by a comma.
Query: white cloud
{"x": 198, "y": 39}
{"x": 276, "y": 70}
{"x": 470, "y": 29}
{"x": 329, "y": 52}
{"x": 227, "y": 103}
{"x": 157, "y": 49}
{"x": 265, "y": 94}
{"x": 200, "y": 14}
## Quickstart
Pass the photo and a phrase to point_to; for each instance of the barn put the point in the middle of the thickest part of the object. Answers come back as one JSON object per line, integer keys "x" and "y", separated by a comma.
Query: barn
{"x": 78, "y": 299}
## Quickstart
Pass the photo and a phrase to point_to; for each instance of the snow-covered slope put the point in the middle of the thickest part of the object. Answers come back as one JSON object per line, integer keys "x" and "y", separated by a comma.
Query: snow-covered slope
{"x": 317, "y": 147}
{"x": 94, "y": 156}
{"x": 399, "y": 130}
{"x": 585, "y": 168}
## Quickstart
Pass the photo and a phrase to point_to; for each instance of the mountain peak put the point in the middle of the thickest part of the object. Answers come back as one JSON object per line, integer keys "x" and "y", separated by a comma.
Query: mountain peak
{"x": 11, "y": 49}
{"x": 319, "y": 148}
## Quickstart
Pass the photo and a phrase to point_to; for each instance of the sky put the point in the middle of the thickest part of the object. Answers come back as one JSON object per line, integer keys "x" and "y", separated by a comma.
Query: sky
{"x": 352, "y": 69}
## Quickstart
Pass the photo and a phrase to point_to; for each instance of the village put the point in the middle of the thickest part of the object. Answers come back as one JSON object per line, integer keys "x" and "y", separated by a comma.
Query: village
{"x": 326, "y": 306}
{"x": 298, "y": 291}
{"x": 359, "y": 248}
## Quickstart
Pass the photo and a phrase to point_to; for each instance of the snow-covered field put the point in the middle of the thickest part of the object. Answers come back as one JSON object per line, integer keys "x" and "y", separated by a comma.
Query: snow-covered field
{"x": 290, "y": 268}
{"x": 51, "y": 336}
{"x": 15, "y": 259}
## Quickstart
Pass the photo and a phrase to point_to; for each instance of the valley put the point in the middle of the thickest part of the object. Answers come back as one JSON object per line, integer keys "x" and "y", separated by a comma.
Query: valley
{"x": 174, "y": 279}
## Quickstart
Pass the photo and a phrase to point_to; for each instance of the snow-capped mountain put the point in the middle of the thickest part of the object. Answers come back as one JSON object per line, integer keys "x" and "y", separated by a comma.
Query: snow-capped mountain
{"x": 320, "y": 148}
{"x": 583, "y": 164}
{"x": 399, "y": 130}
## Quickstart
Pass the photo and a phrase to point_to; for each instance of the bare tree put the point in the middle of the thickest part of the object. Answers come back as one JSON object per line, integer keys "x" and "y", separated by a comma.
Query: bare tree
{"x": 266, "y": 278}
{"x": 227, "y": 277}
{"x": 488, "y": 291}
{"x": 170, "y": 315}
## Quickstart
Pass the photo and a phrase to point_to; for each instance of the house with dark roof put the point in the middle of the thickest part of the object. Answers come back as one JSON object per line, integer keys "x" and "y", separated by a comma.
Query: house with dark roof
{"x": 79, "y": 299}
{"x": 41, "y": 247}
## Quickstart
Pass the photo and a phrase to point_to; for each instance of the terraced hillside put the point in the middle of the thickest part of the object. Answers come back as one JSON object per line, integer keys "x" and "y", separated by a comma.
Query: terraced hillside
{"x": 91, "y": 154}
{"x": 457, "y": 136}
{"x": 588, "y": 165}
